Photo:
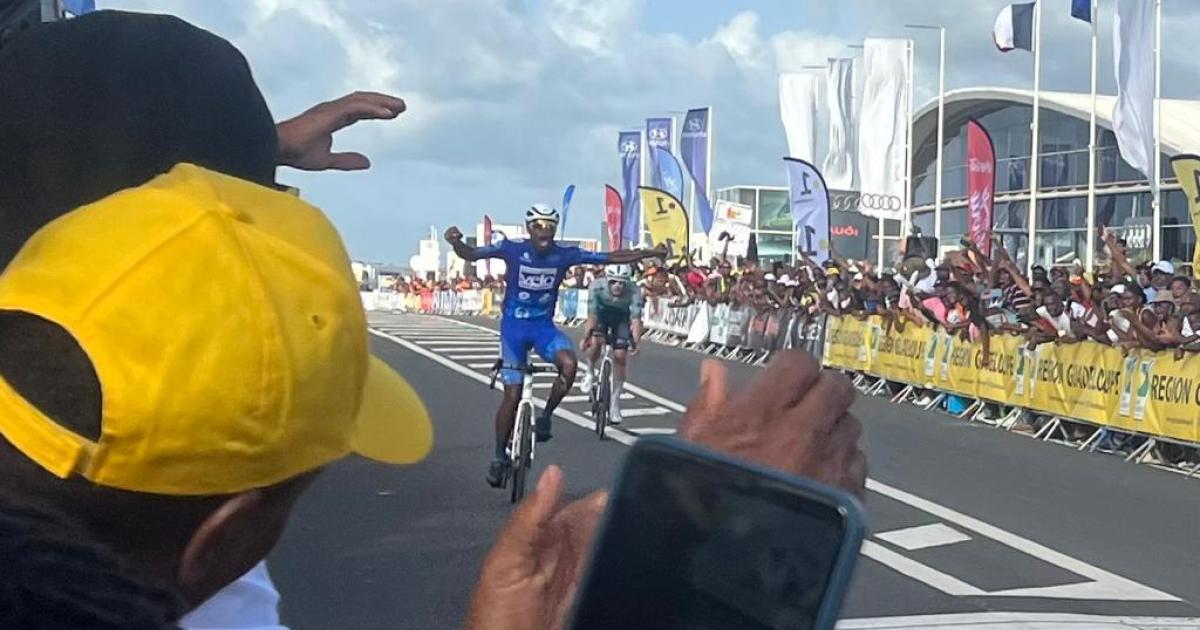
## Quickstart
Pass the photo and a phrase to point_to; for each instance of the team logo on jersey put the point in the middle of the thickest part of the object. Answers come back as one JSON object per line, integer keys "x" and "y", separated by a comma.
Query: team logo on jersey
{"x": 537, "y": 278}
{"x": 525, "y": 256}
{"x": 523, "y": 295}
{"x": 545, "y": 298}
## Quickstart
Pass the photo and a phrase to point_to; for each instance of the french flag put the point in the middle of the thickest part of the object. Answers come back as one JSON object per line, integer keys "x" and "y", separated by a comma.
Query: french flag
{"x": 1014, "y": 27}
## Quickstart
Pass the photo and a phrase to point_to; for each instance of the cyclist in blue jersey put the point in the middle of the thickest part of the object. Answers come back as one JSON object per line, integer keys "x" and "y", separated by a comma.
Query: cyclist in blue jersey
{"x": 534, "y": 269}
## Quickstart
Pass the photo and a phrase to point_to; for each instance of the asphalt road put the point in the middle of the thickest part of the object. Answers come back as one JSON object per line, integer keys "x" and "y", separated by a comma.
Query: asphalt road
{"x": 971, "y": 526}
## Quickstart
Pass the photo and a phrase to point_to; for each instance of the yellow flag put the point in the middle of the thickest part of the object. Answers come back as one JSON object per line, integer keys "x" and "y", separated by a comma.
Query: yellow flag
{"x": 1187, "y": 171}
{"x": 666, "y": 219}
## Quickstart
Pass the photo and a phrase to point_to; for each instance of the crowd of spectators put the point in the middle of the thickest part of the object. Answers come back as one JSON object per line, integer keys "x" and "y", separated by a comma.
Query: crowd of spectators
{"x": 976, "y": 295}
{"x": 967, "y": 292}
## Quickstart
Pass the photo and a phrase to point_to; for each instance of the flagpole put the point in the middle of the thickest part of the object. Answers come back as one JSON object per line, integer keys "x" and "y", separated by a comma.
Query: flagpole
{"x": 1091, "y": 199}
{"x": 645, "y": 161}
{"x": 941, "y": 126}
{"x": 1157, "y": 184}
{"x": 941, "y": 131}
{"x": 708, "y": 185}
{"x": 1034, "y": 159}
{"x": 906, "y": 224}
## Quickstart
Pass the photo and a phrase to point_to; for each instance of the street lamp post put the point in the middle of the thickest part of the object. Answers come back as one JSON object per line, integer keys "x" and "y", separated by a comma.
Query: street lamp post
{"x": 941, "y": 126}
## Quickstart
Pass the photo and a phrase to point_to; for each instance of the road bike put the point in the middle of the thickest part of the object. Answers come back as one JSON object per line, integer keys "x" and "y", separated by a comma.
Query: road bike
{"x": 521, "y": 442}
{"x": 601, "y": 393}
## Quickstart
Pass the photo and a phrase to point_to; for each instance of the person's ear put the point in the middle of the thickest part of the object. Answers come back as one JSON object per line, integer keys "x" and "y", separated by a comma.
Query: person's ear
{"x": 226, "y": 545}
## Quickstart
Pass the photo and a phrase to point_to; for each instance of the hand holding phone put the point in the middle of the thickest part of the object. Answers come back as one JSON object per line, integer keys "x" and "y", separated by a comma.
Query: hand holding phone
{"x": 693, "y": 539}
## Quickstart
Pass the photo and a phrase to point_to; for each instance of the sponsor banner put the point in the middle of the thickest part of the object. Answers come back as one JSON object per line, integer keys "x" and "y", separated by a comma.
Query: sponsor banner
{"x": 981, "y": 184}
{"x": 669, "y": 172}
{"x": 667, "y": 221}
{"x": 839, "y": 157}
{"x": 699, "y": 327}
{"x": 798, "y": 111}
{"x": 613, "y": 207}
{"x": 883, "y": 128}
{"x": 731, "y": 228}
{"x": 658, "y": 136}
{"x": 1187, "y": 171}
{"x": 695, "y": 143}
{"x": 1146, "y": 392}
{"x": 568, "y": 195}
{"x": 809, "y": 200}
{"x": 629, "y": 145}
{"x": 739, "y": 324}
{"x": 1133, "y": 60}
{"x": 581, "y": 304}
{"x": 570, "y": 303}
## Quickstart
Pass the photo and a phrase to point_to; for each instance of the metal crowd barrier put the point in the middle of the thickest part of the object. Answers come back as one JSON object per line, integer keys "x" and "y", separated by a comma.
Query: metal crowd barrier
{"x": 722, "y": 330}
{"x": 467, "y": 302}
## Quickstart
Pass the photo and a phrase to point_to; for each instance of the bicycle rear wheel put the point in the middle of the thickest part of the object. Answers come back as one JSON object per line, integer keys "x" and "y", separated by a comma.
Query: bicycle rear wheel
{"x": 604, "y": 399}
{"x": 522, "y": 457}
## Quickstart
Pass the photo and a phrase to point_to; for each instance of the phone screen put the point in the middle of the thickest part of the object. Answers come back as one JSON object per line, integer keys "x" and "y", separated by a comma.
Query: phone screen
{"x": 696, "y": 543}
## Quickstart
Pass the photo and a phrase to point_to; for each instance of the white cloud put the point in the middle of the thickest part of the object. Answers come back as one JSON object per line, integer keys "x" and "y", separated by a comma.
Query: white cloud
{"x": 510, "y": 101}
{"x": 591, "y": 25}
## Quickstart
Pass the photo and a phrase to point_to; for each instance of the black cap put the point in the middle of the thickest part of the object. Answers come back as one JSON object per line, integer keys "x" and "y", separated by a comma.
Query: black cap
{"x": 107, "y": 101}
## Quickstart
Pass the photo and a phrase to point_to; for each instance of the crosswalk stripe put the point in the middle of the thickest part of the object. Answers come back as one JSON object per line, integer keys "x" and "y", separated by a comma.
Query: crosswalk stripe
{"x": 644, "y": 411}
{"x": 468, "y": 337}
{"x": 461, "y": 342}
{"x": 582, "y": 398}
{"x": 492, "y": 347}
{"x": 470, "y": 357}
{"x": 650, "y": 430}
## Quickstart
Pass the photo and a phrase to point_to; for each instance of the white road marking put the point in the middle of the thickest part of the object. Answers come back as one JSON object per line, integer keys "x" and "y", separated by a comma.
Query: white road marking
{"x": 565, "y": 414}
{"x": 650, "y": 430}
{"x": 923, "y": 537}
{"x": 1020, "y": 621}
{"x": 943, "y": 582}
{"x": 578, "y": 398}
{"x": 1103, "y": 585}
{"x": 450, "y": 344}
{"x": 638, "y": 412}
{"x": 476, "y": 348}
{"x": 467, "y": 357}
{"x": 640, "y": 391}
{"x": 488, "y": 365}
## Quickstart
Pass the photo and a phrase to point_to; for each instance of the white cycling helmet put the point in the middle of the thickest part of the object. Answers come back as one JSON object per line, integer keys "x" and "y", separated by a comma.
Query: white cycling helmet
{"x": 618, "y": 272}
{"x": 541, "y": 212}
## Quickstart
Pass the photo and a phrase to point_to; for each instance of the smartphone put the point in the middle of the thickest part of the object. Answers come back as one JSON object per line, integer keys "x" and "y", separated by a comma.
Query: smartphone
{"x": 693, "y": 539}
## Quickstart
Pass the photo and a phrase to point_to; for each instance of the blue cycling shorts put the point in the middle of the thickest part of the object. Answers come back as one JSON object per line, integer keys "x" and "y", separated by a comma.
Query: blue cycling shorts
{"x": 518, "y": 336}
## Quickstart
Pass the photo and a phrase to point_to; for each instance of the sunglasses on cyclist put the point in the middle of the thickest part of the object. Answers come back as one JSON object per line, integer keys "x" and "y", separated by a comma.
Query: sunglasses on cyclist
{"x": 543, "y": 224}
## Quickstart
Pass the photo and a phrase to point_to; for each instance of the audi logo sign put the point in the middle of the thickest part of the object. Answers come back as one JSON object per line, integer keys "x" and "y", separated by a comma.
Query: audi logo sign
{"x": 871, "y": 201}
{"x": 843, "y": 200}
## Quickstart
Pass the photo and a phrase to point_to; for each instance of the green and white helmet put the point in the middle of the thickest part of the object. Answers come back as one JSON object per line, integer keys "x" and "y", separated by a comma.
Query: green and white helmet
{"x": 618, "y": 272}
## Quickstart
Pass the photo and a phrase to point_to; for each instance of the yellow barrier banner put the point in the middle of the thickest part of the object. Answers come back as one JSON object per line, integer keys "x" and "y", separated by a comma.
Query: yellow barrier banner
{"x": 1146, "y": 392}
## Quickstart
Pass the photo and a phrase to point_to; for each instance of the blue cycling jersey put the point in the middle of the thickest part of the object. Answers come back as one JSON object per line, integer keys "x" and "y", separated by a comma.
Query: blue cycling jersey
{"x": 531, "y": 278}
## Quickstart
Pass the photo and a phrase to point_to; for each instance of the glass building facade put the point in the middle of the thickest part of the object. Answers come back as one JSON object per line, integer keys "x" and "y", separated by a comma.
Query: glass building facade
{"x": 1124, "y": 200}
{"x": 1123, "y": 197}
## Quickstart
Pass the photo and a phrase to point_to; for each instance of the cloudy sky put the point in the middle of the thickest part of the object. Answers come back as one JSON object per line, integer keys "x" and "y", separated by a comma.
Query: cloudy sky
{"x": 510, "y": 100}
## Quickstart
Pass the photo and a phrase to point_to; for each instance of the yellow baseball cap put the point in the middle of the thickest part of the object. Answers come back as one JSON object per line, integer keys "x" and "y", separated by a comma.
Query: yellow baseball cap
{"x": 227, "y": 334}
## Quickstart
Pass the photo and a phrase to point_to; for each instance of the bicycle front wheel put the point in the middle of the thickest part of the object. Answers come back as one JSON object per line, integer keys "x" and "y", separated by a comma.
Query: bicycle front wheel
{"x": 522, "y": 457}
{"x": 604, "y": 399}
